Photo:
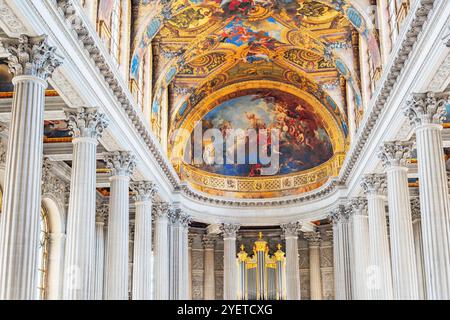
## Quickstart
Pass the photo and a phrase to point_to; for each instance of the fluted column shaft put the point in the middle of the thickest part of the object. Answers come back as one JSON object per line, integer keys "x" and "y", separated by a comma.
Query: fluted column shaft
{"x": 426, "y": 112}
{"x": 315, "y": 278}
{"x": 380, "y": 256}
{"x": 418, "y": 245}
{"x": 209, "y": 291}
{"x": 32, "y": 61}
{"x": 404, "y": 268}
{"x": 87, "y": 125}
{"x": 184, "y": 282}
{"x": 360, "y": 224}
{"x": 341, "y": 253}
{"x": 292, "y": 261}
{"x": 121, "y": 165}
{"x": 142, "y": 262}
{"x": 434, "y": 206}
{"x": 142, "y": 268}
{"x": 99, "y": 266}
{"x": 161, "y": 252}
{"x": 229, "y": 262}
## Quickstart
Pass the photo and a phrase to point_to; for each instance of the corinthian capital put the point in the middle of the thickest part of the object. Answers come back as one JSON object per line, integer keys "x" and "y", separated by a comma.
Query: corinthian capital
{"x": 426, "y": 108}
{"x": 374, "y": 184}
{"x": 102, "y": 213}
{"x": 86, "y": 122}
{"x": 143, "y": 190}
{"x": 121, "y": 163}
{"x": 359, "y": 205}
{"x": 395, "y": 153}
{"x": 340, "y": 214}
{"x": 31, "y": 56}
{"x": 229, "y": 230}
{"x": 291, "y": 229}
{"x": 313, "y": 238}
{"x": 160, "y": 210}
{"x": 415, "y": 208}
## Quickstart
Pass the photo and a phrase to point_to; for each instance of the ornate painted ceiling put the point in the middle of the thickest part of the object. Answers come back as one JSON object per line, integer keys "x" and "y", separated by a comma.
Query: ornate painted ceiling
{"x": 283, "y": 64}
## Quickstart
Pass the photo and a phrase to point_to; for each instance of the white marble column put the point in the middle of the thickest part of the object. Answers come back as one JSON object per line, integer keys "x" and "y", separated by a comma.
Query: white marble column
{"x": 161, "y": 216}
{"x": 418, "y": 246}
{"x": 426, "y": 112}
{"x": 315, "y": 278}
{"x": 292, "y": 260}
{"x": 230, "y": 279}
{"x": 99, "y": 249}
{"x": 209, "y": 286}
{"x": 143, "y": 193}
{"x": 184, "y": 287}
{"x": 360, "y": 225}
{"x": 174, "y": 252}
{"x": 380, "y": 276}
{"x": 191, "y": 240}
{"x": 341, "y": 253}
{"x": 404, "y": 269}
{"x": 121, "y": 164}
{"x": 87, "y": 125}
{"x": 32, "y": 61}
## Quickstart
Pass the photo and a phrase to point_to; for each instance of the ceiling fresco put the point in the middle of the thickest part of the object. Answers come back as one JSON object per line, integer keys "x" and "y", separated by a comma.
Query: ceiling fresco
{"x": 293, "y": 59}
{"x": 303, "y": 141}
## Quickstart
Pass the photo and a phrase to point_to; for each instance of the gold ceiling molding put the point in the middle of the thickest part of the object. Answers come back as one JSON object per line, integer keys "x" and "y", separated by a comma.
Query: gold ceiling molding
{"x": 263, "y": 187}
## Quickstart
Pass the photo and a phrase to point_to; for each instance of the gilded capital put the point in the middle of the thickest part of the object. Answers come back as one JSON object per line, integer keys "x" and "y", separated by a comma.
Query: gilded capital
{"x": 426, "y": 108}
{"x": 395, "y": 153}
{"x": 291, "y": 229}
{"x": 374, "y": 184}
{"x": 86, "y": 122}
{"x": 143, "y": 190}
{"x": 229, "y": 230}
{"x": 31, "y": 56}
{"x": 121, "y": 163}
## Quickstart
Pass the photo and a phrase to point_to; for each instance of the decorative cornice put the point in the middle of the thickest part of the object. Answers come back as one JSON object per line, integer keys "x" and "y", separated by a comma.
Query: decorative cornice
{"x": 229, "y": 230}
{"x": 31, "y": 56}
{"x": 86, "y": 122}
{"x": 143, "y": 190}
{"x": 70, "y": 12}
{"x": 291, "y": 229}
{"x": 426, "y": 108}
{"x": 121, "y": 163}
{"x": 10, "y": 20}
{"x": 374, "y": 184}
{"x": 395, "y": 153}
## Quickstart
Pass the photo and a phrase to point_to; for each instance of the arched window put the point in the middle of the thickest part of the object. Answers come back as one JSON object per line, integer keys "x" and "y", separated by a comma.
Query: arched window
{"x": 43, "y": 249}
